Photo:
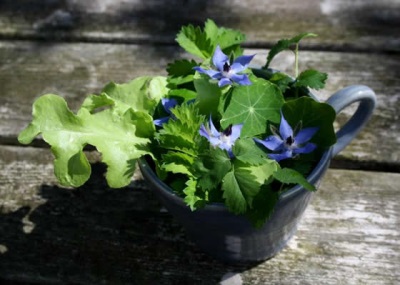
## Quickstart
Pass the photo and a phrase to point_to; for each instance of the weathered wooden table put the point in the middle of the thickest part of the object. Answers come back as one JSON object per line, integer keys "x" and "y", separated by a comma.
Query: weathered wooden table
{"x": 350, "y": 234}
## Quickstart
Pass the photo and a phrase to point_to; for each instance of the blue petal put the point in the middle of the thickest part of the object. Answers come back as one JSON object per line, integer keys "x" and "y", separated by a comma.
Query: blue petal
{"x": 219, "y": 59}
{"x": 210, "y": 72}
{"x": 214, "y": 131}
{"x": 237, "y": 67}
{"x": 168, "y": 104}
{"x": 280, "y": 156}
{"x": 243, "y": 60}
{"x": 161, "y": 121}
{"x": 225, "y": 145}
{"x": 230, "y": 153}
{"x": 215, "y": 141}
{"x": 224, "y": 81}
{"x": 305, "y": 149}
{"x": 285, "y": 129}
{"x": 273, "y": 143}
{"x": 305, "y": 135}
{"x": 204, "y": 132}
{"x": 236, "y": 129}
{"x": 241, "y": 79}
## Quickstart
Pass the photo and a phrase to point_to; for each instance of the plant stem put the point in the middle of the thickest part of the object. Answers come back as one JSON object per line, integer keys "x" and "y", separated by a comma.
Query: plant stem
{"x": 296, "y": 60}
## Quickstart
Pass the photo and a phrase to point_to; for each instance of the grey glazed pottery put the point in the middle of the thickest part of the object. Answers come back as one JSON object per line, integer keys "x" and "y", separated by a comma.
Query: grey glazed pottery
{"x": 231, "y": 238}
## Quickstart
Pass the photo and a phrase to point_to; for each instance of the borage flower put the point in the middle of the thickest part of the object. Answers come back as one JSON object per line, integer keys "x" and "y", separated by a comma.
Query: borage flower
{"x": 225, "y": 139}
{"x": 287, "y": 143}
{"x": 227, "y": 73}
{"x": 168, "y": 104}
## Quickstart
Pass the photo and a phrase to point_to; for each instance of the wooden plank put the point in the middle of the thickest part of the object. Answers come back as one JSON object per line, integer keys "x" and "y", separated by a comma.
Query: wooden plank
{"x": 30, "y": 69}
{"x": 359, "y": 25}
{"x": 349, "y": 234}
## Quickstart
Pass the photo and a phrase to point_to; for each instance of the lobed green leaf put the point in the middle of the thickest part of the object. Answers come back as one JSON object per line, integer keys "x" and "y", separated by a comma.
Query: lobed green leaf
{"x": 311, "y": 78}
{"x": 291, "y": 176}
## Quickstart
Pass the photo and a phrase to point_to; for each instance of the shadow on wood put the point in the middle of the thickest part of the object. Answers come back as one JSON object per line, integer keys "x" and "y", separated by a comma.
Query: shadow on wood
{"x": 97, "y": 235}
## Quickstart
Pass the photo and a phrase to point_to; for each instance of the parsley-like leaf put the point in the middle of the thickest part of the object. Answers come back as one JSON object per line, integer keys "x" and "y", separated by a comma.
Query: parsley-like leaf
{"x": 192, "y": 197}
{"x": 195, "y": 41}
{"x": 285, "y": 44}
{"x": 202, "y": 43}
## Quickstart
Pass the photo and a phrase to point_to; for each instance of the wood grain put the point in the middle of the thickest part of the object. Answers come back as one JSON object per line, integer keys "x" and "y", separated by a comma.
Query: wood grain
{"x": 94, "y": 235}
{"x": 342, "y": 25}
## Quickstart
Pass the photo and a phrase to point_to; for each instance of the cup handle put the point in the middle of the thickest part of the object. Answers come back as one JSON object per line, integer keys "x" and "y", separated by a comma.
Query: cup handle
{"x": 344, "y": 98}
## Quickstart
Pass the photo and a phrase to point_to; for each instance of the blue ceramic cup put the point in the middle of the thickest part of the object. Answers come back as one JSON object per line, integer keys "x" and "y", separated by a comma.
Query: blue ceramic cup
{"x": 231, "y": 238}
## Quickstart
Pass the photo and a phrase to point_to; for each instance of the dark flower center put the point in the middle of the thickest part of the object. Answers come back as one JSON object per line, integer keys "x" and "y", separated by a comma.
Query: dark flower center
{"x": 227, "y": 67}
{"x": 289, "y": 140}
{"x": 228, "y": 131}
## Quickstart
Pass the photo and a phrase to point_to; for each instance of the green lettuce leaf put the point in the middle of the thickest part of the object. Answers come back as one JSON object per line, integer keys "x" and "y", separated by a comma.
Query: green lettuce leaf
{"x": 113, "y": 135}
{"x": 141, "y": 94}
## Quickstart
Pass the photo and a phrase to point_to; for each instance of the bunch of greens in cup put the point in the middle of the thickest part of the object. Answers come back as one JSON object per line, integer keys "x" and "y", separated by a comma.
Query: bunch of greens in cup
{"x": 217, "y": 130}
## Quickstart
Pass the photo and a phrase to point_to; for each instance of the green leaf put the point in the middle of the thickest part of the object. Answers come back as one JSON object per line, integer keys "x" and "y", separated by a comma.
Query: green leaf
{"x": 229, "y": 40}
{"x": 243, "y": 183}
{"x": 185, "y": 94}
{"x": 312, "y": 113}
{"x": 202, "y": 43}
{"x": 208, "y": 96}
{"x": 261, "y": 173}
{"x": 253, "y": 105}
{"x": 68, "y": 133}
{"x": 233, "y": 195}
{"x": 182, "y": 133}
{"x": 282, "y": 80}
{"x": 192, "y": 199}
{"x": 181, "y": 67}
{"x": 285, "y": 44}
{"x": 291, "y": 176}
{"x": 177, "y": 162}
{"x": 211, "y": 167}
{"x": 195, "y": 41}
{"x": 263, "y": 206}
{"x": 247, "y": 151}
{"x": 181, "y": 71}
{"x": 93, "y": 102}
{"x": 141, "y": 94}
{"x": 311, "y": 78}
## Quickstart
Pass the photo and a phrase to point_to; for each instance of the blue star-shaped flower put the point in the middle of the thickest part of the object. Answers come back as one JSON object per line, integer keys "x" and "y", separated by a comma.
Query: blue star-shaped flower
{"x": 287, "y": 144}
{"x": 225, "y": 139}
{"x": 227, "y": 73}
{"x": 168, "y": 104}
